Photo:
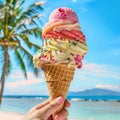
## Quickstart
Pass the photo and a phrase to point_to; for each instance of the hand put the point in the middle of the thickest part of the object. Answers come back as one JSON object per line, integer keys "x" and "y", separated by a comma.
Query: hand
{"x": 45, "y": 110}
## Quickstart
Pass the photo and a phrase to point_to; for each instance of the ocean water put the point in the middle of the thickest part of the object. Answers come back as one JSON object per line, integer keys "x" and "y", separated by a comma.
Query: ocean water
{"x": 79, "y": 110}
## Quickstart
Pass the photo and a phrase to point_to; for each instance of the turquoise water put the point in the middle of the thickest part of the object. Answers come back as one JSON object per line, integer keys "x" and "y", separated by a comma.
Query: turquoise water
{"x": 79, "y": 110}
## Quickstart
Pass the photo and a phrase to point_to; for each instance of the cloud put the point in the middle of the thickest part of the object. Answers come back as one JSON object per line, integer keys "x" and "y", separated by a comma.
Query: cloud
{"x": 15, "y": 75}
{"x": 98, "y": 70}
{"x": 22, "y": 83}
{"x": 19, "y": 80}
{"x": 30, "y": 86}
{"x": 108, "y": 86}
{"x": 27, "y": 90}
{"x": 18, "y": 75}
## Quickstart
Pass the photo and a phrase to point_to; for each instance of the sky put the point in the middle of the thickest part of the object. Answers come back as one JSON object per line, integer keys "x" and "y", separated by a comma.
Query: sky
{"x": 99, "y": 21}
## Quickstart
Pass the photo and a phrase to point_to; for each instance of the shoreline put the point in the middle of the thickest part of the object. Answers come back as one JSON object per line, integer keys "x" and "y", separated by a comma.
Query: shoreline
{"x": 94, "y": 100}
{"x": 71, "y": 99}
{"x": 10, "y": 115}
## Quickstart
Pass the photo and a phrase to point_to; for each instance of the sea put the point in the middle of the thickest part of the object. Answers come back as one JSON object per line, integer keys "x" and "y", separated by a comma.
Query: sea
{"x": 82, "y": 107}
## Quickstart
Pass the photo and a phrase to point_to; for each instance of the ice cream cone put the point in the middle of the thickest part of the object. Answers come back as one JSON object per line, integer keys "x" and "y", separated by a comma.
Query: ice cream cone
{"x": 62, "y": 51}
{"x": 58, "y": 79}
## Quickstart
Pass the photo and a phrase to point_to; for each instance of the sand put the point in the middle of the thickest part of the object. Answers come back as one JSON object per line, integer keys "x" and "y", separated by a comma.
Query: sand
{"x": 10, "y": 116}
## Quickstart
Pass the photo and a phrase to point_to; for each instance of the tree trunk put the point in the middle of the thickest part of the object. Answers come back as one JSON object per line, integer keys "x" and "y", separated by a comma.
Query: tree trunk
{"x": 2, "y": 80}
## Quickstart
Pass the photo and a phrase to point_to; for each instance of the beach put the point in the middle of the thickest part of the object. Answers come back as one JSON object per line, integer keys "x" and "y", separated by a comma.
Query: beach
{"x": 15, "y": 108}
{"x": 10, "y": 116}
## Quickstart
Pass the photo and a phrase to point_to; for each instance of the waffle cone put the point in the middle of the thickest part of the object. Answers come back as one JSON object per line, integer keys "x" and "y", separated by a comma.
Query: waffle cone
{"x": 58, "y": 78}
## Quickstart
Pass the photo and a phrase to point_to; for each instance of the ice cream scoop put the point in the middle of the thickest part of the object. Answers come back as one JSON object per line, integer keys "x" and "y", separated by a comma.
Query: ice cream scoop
{"x": 62, "y": 18}
{"x": 63, "y": 13}
{"x": 63, "y": 40}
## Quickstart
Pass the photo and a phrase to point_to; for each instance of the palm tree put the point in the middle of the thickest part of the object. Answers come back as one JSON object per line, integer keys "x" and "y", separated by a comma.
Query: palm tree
{"x": 17, "y": 24}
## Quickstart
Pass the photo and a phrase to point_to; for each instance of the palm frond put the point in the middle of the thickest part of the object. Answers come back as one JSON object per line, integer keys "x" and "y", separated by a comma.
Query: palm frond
{"x": 28, "y": 56}
{"x": 24, "y": 38}
{"x": 28, "y": 22}
{"x": 32, "y": 11}
{"x": 31, "y": 22}
{"x": 8, "y": 1}
{"x": 1, "y": 25}
{"x": 37, "y": 32}
{"x": 20, "y": 62}
{"x": 15, "y": 11}
{"x": 36, "y": 71}
{"x": 35, "y": 47}
{"x": 2, "y": 4}
{"x": 17, "y": 4}
{"x": 2, "y": 11}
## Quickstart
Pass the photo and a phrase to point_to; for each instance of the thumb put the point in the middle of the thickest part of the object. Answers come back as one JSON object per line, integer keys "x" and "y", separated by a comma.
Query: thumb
{"x": 52, "y": 107}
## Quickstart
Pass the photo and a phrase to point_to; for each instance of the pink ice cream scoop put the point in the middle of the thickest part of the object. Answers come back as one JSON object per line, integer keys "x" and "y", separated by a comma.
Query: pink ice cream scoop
{"x": 64, "y": 42}
{"x": 63, "y": 13}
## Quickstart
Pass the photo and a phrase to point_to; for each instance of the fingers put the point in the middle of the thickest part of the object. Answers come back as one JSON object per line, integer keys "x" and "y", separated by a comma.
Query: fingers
{"x": 67, "y": 103}
{"x": 62, "y": 115}
{"x": 40, "y": 105}
{"x": 66, "y": 119}
{"x": 52, "y": 107}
